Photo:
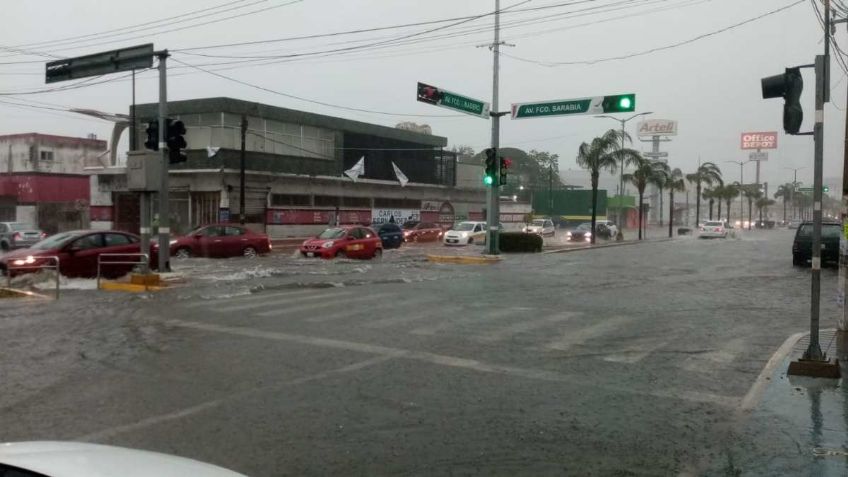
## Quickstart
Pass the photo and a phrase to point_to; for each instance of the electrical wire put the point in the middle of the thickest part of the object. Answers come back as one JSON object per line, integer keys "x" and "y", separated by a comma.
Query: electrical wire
{"x": 655, "y": 49}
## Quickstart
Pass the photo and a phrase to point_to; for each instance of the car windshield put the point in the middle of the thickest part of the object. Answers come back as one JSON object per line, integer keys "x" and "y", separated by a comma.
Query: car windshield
{"x": 56, "y": 241}
{"x": 389, "y": 228}
{"x": 539, "y": 222}
{"x": 465, "y": 226}
{"x": 584, "y": 227}
{"x": 713, "y": 224}
{"x": 332, "y": 234}
{"x": 20, "y": 226}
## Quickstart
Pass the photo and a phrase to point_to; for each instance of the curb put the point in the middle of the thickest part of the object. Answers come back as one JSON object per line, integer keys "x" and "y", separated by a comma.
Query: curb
{"x": 609, "y": 245}
{"x": 464, "y": 260}
{"x": 128, "y": 287}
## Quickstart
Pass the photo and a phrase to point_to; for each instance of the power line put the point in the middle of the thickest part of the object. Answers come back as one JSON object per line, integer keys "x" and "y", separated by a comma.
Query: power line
{"x": 656, "y": 49}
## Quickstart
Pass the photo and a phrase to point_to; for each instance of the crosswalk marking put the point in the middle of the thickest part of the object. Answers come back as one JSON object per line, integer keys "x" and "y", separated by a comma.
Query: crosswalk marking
{"x": 475, "y": 316}
{"x": 637, "y": 350}
{"x": 250, "y": 297}
{"x": 580, "y": 336}
{"x": 524, "y": 326}
{"x": 286, "y": 300}
{"x": 380, "y": 323}
{"x": 343, "y": 301}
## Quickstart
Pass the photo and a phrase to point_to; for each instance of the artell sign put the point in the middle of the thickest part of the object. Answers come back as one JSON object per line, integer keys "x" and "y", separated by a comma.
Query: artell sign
{"x": 657, "y": 127}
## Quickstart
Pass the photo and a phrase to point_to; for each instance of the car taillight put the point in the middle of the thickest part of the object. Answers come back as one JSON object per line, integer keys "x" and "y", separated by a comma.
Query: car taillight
{"x": 43, "y": 235}
{"x": 702, "y": 229}
{"x": 17, "y": 236}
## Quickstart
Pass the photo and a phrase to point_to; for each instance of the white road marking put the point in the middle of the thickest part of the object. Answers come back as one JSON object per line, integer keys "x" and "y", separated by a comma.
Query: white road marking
{"x": 525, "y": 326}
{"x": 637, "y": 350}
{"x": 249, "y": 298}
{"x": 282, "y": 301}
{"x": 580, "y": 336}
{"x": 474, "y": 316}
{"x": 349, "y": 314}
{"x": 152, "y": 421}
{"x": 752, "y": 397}
{"x": 340, "y": 301}
{"x": 404, "y": 318}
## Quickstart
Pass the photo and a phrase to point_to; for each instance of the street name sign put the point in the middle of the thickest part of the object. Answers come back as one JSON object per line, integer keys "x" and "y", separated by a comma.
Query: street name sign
{"x": 125, "y": 59}
{"x": 595, "y": 105}
{"x": 758, "y": 156}
{"x": 448, "y": 99}
{"x": 805, "y": 189}
{"x": 655, "y": 154}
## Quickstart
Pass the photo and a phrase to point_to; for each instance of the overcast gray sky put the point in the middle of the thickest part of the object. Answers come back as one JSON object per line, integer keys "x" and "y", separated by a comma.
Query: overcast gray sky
{"x": 711, "y": 86}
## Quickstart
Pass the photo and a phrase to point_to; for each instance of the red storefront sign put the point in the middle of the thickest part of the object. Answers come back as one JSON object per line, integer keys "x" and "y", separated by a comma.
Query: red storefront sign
{"x": 759, "y": 140}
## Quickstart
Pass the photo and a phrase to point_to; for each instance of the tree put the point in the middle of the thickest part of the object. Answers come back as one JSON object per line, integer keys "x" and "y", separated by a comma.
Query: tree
{"x": 728, "y": 193}
{"x": 707, "y": 174}
{"x": 647, "y": 172}
{"x": 717, "y": 195}
{"x": 463, "y": 150}
{"x": 752, "y": 194}
{"x": 785, "y": 192}
{"x": 673, "y": 181}
{"x": 763, "y": 203}
{"x": 709, "y": 195}
{"x": 603, "y": 153}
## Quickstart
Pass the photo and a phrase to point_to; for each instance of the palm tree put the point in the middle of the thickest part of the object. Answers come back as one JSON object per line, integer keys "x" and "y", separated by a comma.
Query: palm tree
{"x": 728, "y": 193}
{"x": 784, "y": 191}
{"x": 603, "y": 153}
{"x": 707, "y": 173}
{"x": 647, "y": 172}
{"x": 709, "y": 195}
{"x": 718, "y": 192}
{"x": 763, "y": 203}
{"x": 673, "y": 181}
{"x": 752, "y": 194}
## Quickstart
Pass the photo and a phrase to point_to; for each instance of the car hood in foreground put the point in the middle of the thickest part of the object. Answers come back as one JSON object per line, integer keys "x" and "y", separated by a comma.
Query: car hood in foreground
{"x": 74, "y": 459}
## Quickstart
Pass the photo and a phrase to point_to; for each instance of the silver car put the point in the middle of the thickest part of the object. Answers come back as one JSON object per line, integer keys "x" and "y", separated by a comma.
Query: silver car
{"x": 18, "y": 235}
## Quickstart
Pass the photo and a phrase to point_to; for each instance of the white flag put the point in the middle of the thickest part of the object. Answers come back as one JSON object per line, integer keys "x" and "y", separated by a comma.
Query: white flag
{"x": 401, "y": 177}
{"x": 211, "y": 151}
{"x": 357, "y": 170}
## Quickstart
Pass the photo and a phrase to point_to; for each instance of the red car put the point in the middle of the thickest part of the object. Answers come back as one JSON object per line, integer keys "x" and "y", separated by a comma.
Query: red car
{"x": 422, "y": 232}
{"x": 220, "y": 240}
{"x": 347, "y": 241}
{"x": 77, "y": 251}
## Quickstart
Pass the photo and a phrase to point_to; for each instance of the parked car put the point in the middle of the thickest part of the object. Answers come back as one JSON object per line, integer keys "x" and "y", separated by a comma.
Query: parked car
{"x": 713, "y": 229}
{"x": 77, "y": 251}
{"x": 581, "y": 233}
{"x": 219, "y": 241}
{"x": 466, "y": 233}
{"x": 543, "y": 227}
{"x": 611, "y": 231}
{"x": 391, "y": 235}
{"x": 74, "y": 459}
{"x": 421, "y": 232}
{"x": 802, "y": 246}
{"x": 18, "y": 235}
{"x": 346, "y": 241}
{"x": 793, "y": 224}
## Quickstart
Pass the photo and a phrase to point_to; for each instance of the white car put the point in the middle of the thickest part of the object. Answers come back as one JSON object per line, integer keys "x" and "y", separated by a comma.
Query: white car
{"x": 543, "y": 227}
{"x": 465, "y": 233}
{"x": 613, "y": 229}
{"x": 77, "y": 459}
{"x": 713, "y": 229}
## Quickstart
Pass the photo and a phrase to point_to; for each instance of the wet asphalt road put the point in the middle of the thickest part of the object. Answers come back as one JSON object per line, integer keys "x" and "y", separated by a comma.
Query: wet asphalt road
{"x": 629, "y": 360}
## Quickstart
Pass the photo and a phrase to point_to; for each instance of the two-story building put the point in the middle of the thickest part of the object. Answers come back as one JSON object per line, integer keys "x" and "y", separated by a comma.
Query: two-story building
{"x": 295, "y": 172}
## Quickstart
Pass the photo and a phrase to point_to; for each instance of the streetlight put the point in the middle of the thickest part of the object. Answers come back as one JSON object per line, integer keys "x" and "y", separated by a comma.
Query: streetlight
{"x": 621, "y": 173}
{"x": 794, "y": 186}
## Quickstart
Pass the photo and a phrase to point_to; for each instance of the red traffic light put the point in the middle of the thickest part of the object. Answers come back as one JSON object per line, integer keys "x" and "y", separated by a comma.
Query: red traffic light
{"x": 506, "y": 163}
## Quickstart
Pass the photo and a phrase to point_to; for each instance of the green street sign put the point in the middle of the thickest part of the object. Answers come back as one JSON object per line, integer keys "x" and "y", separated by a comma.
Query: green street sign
{"x": 126, "y": 59}
{"x": 619, "y": 103}
{"x": 805, "y": 189}
{"x": 448, "y": 99}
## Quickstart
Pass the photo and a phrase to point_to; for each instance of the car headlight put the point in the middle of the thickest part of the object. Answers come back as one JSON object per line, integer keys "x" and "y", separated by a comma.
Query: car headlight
{"x": 464, "y": 234}
{"x": 172, "y": 242}
{"x": 588, "y": 234}
{"x": 24, "y": 261}
{"x": 568, "y": 234}
{"x": 327, "y": 244}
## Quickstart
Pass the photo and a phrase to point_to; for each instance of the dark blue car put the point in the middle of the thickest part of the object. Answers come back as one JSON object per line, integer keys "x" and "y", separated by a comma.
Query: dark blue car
{"x": 391, "y": 235}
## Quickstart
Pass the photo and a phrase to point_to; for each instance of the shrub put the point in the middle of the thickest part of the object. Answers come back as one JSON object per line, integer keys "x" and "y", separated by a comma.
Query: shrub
{"x": 520, "y": 242}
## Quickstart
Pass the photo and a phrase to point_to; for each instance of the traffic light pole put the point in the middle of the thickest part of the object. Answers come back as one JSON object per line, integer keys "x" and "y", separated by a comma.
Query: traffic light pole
{"x": 493, "y": 194}
{"x": 164, "y": 213}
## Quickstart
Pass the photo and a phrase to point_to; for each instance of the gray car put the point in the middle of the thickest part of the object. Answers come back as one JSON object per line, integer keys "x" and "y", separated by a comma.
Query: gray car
{"x": 18, "y": 235}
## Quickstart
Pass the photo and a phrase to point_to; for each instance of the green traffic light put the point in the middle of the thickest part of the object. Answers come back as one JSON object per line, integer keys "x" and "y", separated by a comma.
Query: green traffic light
{"x": 488, "y": 180}
{"x": 625, "y": 103}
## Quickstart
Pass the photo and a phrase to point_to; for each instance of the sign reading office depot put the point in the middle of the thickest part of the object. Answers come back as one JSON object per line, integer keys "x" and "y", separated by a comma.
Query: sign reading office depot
{"x": 657, "y": 127}
{"x": 759, "y": 140}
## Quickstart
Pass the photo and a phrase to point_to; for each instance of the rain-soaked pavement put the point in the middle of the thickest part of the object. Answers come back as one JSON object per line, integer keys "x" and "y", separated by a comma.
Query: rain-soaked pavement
{"x": 632, "y": 360}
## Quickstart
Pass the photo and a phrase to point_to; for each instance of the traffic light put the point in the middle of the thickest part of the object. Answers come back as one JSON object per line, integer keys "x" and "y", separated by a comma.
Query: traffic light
{"x": 788, "y": 86}
{"x": 505, "y": 164}
{"x": 825, "y": 189}
{"x": 491, "y": 165}
{"x": 152, "y": 131}
{"x": 429, "y": 94}
{"x": 619, "y": 103}
{"x": 175, "y": 140}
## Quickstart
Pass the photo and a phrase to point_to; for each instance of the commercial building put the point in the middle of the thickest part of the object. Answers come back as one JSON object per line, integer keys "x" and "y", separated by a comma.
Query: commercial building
{"x": 295, "y": 179}
{"x": 43, "y": 180}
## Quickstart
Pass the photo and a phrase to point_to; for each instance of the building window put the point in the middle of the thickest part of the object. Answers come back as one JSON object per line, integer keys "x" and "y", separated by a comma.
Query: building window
{"x": 358, "y": 202}
{"x": 397, "y": 204}
{"x": 46, "y": 155}
{"x": 282, "y": 200}
{"x": 327, "y": 201}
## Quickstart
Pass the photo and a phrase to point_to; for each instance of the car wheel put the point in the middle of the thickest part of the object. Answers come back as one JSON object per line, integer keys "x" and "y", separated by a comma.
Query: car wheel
{"x": 341, "y": 254}
{"x": 470, "y": 240}
{"x": 4, "y": 246}
{"x": 249, "y": 252}
{"x": 798, "y": 261}
{"x": 378, "y": 254}
{"x": 182, "y": 253}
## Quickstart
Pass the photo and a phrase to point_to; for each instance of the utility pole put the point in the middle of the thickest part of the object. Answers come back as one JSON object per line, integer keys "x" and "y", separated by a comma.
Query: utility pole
{"x": 842, "y": 323}
{"x": 492, "y": 193}
{"x": 550, "y": 190}
{"x": 164, "y": 213}
{"x": 241, "y": 169}
{"x": 623, "y": 122}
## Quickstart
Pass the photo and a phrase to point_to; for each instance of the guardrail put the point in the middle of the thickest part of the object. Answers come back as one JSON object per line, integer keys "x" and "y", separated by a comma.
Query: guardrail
{"x": 144, "y": 260}
{"x": 29, "y": 264}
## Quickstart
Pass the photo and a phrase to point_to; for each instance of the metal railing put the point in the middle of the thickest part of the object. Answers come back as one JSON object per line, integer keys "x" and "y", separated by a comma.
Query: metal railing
{"x": 143, "y": 260}
{"x": 29, "y": 264}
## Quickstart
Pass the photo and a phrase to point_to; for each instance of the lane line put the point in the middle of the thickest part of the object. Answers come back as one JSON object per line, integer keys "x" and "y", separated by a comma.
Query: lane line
{"x": 325, "y": 304}
{"x": 281, "y": 301}
{"x": 248, "y": 298}
{"x": 476, "y": 317}
{"x": 583, "y": 335}
{"x": 524, "y": 327}
{"x": 406, "y": 318}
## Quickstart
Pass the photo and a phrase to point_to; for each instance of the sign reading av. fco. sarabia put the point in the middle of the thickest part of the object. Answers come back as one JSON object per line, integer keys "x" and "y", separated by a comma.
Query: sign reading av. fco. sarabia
{"x": 759, "y": 140}
{"x": 397, "y": 216}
